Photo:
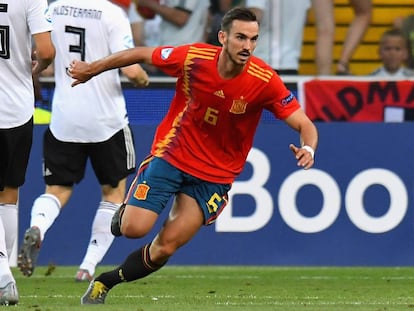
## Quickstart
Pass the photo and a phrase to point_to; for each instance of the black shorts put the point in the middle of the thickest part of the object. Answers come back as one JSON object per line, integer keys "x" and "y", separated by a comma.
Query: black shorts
{"x": 65, "y": 162}
{"x": 15, "y": 145}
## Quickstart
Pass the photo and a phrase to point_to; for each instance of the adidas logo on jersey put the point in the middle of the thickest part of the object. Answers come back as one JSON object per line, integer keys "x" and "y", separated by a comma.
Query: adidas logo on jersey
{"x": 219, "y": 93}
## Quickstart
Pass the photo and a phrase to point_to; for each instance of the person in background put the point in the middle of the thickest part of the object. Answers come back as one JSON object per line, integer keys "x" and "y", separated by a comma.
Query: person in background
{"x": 325, "y": 30}
{"x": 86, "y": 123}
{"x": 216, "y": 12}
{"x": 393, "y": 53}
{"x": 281, "y": 32}
{"x": 406, "y": 25}
{"x": 21, "y": 20}
{"x": 146, "y": 32}
{"x": 182, "y": 21}
{"x": 201, "y": 145}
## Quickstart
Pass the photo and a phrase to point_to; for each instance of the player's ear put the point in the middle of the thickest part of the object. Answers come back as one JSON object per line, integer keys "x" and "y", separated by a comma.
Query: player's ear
{"x": 221, "y": 36}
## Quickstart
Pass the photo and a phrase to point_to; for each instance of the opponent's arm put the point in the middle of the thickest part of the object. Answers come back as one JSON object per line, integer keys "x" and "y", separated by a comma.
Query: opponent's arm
{"x": 82, "y": 71}
{"x": 308, "y": 138}
{"x": 44, "y": 52}
{"x": 136, "y": 75}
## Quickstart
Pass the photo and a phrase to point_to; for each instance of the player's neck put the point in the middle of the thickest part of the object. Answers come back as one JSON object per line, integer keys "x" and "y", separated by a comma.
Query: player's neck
{"x": 227, "y": 68}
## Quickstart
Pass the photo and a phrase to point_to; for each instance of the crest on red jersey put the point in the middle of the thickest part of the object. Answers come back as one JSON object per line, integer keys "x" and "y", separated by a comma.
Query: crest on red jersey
{"x": 238, "y": 106}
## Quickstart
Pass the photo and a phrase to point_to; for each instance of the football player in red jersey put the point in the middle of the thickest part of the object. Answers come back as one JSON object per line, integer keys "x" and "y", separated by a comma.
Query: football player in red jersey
{"x": 201, "y": 145}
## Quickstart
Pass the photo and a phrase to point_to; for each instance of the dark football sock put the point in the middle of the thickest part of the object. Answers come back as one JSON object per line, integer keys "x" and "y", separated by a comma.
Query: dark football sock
{"x": 137, "y": 265}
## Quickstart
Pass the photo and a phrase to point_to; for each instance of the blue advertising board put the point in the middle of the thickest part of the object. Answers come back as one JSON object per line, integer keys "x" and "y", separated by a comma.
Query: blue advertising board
{"x": 355, "y": 207}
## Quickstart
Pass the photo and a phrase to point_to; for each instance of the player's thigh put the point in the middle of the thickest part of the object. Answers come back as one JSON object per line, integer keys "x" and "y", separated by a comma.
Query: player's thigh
{"x": 150, "y": 192}
{"x": 184, "y": 221}
{"x": 137, "y": 221}
{"x": 114, "y": 159}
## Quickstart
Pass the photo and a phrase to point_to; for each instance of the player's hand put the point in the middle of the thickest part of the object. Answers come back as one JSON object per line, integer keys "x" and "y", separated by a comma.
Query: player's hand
{"x": 142, "y": 79}
{"x": 146, "y": 3}
{"x": 304, "y": 157}
{"x": 80, "y": 71}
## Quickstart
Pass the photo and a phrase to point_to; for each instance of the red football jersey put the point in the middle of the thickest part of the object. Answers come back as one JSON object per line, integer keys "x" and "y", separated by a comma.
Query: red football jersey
{"x": 209, "y": 128}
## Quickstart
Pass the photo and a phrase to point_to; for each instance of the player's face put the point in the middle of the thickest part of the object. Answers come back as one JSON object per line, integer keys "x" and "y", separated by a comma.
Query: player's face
{"x": 240, "y": 42}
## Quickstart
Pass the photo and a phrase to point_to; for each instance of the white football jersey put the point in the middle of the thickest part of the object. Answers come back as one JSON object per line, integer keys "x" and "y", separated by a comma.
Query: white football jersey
{"x": 88, "y": 30}
{"x": 19, "y": 19}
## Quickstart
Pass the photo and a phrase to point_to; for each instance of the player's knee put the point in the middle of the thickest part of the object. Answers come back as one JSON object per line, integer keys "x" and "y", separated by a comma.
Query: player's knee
{"x": 131, "y": 230}
{"x": 160, "y": 252}
{"x": 166, "y": 251}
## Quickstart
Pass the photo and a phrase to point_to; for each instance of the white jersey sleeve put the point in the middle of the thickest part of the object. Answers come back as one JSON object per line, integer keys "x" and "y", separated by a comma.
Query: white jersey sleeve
{"x": 88, "y": 30}
{"x": 19, "y": 19}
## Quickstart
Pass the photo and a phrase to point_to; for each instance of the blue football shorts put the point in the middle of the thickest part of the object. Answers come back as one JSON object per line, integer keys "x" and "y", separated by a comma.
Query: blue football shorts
{"x": 157, "y": 182}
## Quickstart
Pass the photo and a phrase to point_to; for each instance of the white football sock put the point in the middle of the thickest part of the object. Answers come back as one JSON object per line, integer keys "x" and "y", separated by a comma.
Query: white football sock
{"x": 45, "y": 210}
{"x": 9, "y": 216}
{"x": 101, "y": 236}
{"x": 6, "y": 275}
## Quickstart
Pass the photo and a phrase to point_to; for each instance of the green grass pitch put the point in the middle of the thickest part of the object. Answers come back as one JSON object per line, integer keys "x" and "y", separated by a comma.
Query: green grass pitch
{"x": 210, "y": 288}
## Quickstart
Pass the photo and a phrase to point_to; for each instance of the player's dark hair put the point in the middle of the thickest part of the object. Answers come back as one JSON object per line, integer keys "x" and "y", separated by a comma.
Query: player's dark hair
{"x": 237, "y": 13}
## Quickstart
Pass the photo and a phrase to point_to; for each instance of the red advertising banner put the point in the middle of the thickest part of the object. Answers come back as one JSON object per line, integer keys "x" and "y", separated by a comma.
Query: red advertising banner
{"x": 375, "y": 101}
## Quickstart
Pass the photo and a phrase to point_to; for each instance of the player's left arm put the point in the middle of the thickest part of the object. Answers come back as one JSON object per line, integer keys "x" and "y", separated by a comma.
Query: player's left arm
{"x": 308, "y": 132}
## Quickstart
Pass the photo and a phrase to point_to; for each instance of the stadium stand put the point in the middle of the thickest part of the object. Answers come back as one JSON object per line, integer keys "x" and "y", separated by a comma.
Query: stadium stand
{"x": 365, "y": 59}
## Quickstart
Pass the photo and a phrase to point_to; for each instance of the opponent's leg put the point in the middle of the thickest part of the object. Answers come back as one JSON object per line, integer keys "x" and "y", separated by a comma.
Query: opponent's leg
{"x": 101, "y": 237}
{"x": 100, "y": 241}
{"x": 8, "y": 289}
{"x": 45, "y": 210}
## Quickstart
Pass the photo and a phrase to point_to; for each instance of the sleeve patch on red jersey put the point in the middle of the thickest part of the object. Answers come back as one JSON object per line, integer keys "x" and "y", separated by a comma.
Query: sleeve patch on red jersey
{"x": 165, "y": 53}
{"x": 287, "y": 99}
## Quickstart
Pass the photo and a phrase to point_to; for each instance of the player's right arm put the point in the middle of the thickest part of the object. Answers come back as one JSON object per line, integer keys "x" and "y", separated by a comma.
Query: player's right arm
{"x": 82, "y": 71}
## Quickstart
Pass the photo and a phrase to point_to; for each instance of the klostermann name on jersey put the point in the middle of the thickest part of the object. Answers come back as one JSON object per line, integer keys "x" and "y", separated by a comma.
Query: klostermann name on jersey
{"x": 77, "y": 12}
{"x": 216, "y": 118}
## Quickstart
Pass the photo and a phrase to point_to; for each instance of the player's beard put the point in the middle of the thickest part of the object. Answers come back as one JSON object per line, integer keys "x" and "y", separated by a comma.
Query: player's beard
{"x": 235, "y": 62}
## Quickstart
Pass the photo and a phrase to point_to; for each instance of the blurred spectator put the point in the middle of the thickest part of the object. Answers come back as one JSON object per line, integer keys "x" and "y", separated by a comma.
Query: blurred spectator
{"x": 407, "y": 27}
{"x": 216, "y": 12}
{"x": 325, "y": 25}
{"x": 393, "y": 53}
{"x": 146, "y": 32}
{"x": 281, "y": 32}
{"x": 182, "y": 21}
